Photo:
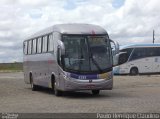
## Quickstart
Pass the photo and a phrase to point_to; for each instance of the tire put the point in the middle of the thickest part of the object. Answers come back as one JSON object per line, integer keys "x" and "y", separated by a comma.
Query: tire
{"x": 33, "y": 86}
{"x": 95, "y": 92}
{"x": 134, "y": 71}
{"x": 56, "y": 91}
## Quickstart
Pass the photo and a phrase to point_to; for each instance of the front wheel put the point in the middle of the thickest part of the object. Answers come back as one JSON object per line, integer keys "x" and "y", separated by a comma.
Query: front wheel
{"x": 95, "y": 92}
{"x": 56, "y": 91}
{"x": 134, "y": 71}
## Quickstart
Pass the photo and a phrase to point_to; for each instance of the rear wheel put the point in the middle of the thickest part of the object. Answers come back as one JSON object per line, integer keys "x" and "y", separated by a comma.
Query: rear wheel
{"x": 95, "y": 92}
{"x": 134, "y": 71}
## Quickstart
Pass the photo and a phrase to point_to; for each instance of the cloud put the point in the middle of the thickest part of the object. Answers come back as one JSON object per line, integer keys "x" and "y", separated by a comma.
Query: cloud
{"x": 127, "y": 21}
{"x": 136, "y": 20}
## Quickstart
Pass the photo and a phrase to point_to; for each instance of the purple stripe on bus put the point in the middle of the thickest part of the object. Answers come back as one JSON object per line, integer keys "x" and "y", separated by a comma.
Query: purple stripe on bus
{"x": 87, "y": 76}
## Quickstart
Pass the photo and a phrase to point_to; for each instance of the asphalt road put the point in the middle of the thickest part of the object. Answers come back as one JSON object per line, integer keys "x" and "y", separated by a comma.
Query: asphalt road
{"x": 138, "y": 94}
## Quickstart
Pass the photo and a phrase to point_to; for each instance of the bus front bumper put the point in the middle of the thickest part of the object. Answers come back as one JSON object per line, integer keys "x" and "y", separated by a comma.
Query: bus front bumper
{"x": 100, "y": 84}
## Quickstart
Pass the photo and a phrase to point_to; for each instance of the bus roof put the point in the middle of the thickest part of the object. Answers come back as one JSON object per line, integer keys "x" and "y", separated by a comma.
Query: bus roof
{"x": 139, "y": 45}
{"x": 72, "y": 29}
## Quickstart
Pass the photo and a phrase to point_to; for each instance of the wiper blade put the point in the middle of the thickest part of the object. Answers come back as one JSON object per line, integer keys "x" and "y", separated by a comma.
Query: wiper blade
{"x": 95, "y": 62}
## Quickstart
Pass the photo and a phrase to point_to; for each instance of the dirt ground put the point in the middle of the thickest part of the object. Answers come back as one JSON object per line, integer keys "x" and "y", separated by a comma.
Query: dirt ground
{"x": 130, "y": 94}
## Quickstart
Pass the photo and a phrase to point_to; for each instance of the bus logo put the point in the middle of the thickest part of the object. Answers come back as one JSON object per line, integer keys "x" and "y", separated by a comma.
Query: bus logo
{"x": 82, "y": 77}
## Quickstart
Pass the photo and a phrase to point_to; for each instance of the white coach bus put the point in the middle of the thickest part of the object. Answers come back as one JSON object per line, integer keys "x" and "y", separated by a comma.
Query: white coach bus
{"x": 139, "y": 59}
{"x": 69, "y": 57}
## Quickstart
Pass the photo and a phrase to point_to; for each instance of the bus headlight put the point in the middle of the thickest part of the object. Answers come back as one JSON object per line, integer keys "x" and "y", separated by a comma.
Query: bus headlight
{"x": 66, "y": 77}
{"x": 109, "y": 77}
{"x": 106, "y": 76}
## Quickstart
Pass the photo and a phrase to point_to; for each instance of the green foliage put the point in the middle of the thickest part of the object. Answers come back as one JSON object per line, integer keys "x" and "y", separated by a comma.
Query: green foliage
{"x": 17, "y": 66}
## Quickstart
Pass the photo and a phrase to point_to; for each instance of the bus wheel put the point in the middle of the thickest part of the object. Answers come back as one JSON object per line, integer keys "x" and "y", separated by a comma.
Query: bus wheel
{"x": 95, "y": 92}
{"x": 134, "y": 71}
{"x": 56, "y": 91}
{"x": 33, "y": 86}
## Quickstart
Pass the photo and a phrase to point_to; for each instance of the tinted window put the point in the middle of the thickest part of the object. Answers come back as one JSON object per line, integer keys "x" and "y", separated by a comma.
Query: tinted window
{"x": 122, "y": 58}
{"x": 157, "y": 51}
{"x": 151, "y": 52}
{"x": 87, "y": 54}
{"x": 138, "y": 53}
{"x": 45, "y": 43}
{"x": 50, "y": 43}
{"x": 128, "y": 51}
{"x": 34, "y": 46}
{"x": 39, "y": 45}
{"x": 25, "y": 47}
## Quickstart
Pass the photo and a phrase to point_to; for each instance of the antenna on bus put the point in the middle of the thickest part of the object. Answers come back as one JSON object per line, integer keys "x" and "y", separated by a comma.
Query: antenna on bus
{"x": 153, "y": 36}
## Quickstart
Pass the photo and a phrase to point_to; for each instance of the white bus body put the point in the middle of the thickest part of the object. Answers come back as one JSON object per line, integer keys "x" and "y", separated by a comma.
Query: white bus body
{"x": 69, "y": 57}
{"x": 140, "y": 59}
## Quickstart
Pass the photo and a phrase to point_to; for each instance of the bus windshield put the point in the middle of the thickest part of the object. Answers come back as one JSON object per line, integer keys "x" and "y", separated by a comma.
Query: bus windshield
{"x": 87, "y": 54}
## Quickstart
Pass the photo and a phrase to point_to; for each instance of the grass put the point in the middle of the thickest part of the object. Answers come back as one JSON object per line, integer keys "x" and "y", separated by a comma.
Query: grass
{"x": 11, "y": 67}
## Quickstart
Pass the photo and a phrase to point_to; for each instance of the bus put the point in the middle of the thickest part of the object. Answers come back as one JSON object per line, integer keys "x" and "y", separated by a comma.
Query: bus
{"x": 69, "y": 57}
{"x": 139, "y": 59}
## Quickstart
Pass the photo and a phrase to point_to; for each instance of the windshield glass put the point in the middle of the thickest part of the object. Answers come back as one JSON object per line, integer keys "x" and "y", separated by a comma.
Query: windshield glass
{"x": 87, "y": 54}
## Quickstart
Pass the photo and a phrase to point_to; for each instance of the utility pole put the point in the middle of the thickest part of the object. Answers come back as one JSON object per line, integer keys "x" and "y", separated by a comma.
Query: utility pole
{"x": 153, "y": 37}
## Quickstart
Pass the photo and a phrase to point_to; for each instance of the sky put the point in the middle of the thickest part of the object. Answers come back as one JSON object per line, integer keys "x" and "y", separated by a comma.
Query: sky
{"x": 126, "y": 21}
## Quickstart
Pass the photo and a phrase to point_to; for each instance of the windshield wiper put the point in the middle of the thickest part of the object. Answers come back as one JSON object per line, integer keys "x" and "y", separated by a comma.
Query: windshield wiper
{"x": 91, "y": 57}
{"x": 95, "y": 62}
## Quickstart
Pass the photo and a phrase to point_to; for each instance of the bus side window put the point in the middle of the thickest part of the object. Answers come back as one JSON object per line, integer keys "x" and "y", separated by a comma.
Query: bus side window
{"x": 156, "y": 51}
{"x": 123, "y": 58}
{"x": 25, "y": 47}
{"x": 138, "y": 53}
{"x": 39, "y": 45}
{"x": 128, "y": 51}
{"x": 44, "y": 46}
{"x": 50, "y": 43}
{"x": 34, "y": 46}
{"x": 30, "y": 47}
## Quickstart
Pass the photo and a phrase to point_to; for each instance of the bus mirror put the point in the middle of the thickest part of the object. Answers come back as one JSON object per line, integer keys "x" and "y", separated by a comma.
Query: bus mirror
{"x": 115, "y": 52}
{"x": 115, "y": 47}
{"x": 122, "y": 58}
{"x": 115, "y": 59}
{"x": 59, "y": 56}
{"x": 60, "y": 43}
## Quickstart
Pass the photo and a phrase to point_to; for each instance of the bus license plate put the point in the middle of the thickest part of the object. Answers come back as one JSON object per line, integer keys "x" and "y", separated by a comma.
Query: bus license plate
{"x": 90, "y": 86}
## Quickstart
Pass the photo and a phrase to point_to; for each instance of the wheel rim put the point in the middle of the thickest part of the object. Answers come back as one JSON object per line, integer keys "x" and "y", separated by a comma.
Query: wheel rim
{"x": 134, "y": 71}
{"x": 31, "y": 82}
{"x": 55, "y": 90}
{"x": 31, "y": 85}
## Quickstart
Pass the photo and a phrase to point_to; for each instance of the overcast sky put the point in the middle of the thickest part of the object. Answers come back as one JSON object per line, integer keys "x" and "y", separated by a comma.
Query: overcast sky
{"x": 126, "y": 21}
